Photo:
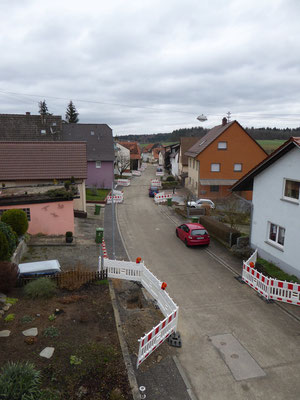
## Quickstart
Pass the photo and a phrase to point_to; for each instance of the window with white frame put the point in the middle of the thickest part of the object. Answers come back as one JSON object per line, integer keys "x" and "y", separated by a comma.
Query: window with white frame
{"x": 291, "y": 189}
{"x": 222, "y": 145}
{"x": 276, "y": 234}
{"x": 214, "y": 167}
{"x": 98, "y": 164}
{"x": 238, "y": 167}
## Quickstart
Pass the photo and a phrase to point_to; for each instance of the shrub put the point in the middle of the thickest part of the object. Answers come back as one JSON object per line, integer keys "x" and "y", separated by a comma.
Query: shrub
{"x": 8, "y": 276}
{"x": 10, "y": 236}
{"x": 40, "y": 288}
{"x": 19, "y": 381}
{"x": 170, "y": 178}
{"x": 17, "y": 219}
{"x": 67, "y": 185}
{"x": 4, "y": 248}
{"x": 51, "y": 331}
{"x": 61, "y": 193}
{"x": 9, "y": 317}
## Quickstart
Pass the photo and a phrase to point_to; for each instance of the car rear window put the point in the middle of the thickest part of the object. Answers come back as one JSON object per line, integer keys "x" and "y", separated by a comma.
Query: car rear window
{"x": 197, "y": 232}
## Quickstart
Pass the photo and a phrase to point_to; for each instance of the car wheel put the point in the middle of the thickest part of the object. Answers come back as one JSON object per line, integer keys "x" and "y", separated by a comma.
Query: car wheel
{"x": 186, "y": 243}
{"x": 177, "y": 233}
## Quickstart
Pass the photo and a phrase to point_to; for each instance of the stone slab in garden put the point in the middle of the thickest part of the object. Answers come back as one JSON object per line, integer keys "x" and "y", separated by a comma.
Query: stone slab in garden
{"x": 30, "y": 332}
{"x": 4, "y": 333}
{"x": 47, "y": 352}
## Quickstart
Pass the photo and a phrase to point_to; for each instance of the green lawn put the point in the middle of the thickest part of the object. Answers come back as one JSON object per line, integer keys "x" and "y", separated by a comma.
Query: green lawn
{"x": 100, "y": 196}
{"x": 270, "y": 145}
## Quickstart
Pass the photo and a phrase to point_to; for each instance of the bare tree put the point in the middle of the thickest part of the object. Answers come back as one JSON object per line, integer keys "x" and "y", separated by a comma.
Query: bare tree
{"x": 122, "y": 163}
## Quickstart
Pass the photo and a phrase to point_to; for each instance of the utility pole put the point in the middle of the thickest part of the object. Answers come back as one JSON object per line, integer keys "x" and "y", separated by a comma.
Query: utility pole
{"x": 113, "y": 220}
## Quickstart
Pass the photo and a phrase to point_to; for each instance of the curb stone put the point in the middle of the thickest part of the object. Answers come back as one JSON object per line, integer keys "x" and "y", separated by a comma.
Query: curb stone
{"x": 124, "y": 348}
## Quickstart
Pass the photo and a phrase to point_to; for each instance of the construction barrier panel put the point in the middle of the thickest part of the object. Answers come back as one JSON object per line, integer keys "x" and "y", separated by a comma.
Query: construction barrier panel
{"x": 162, "y": 197}
{"x": 159, "y": 174}
{"x": 155, "y": 182}
{"x": 136, "y": 173}
{"x": 138, "y": 272}
{"x": 127, "y": 174}
{"x": 123, "y": 182}
{"x": 270, "y": 288}
{"x": 118, "y": 198}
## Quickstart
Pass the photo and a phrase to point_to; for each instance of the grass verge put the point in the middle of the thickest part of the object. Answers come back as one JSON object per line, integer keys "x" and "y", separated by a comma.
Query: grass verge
{"x": 96, "y": 194}
{"x": 271, "y": 270}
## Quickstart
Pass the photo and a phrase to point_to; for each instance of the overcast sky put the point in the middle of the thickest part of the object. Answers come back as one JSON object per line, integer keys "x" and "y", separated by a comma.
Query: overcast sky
{"x": 146, "y": 66}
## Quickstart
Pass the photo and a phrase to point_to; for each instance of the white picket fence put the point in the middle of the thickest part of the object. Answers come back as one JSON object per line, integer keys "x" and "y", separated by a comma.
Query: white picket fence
{"x": 123, "y": 182}
{"x": 271, "y": 289}
{"x": 156, "y": 183}
{"x": 136, "y": 173}
{"x": 162, "y": 197}
{"x": 139, "y": 272}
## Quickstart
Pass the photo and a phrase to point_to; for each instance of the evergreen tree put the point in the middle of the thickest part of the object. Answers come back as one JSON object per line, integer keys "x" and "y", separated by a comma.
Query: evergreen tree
{"x": 43, "y": 108}
{"x": 72, "y": 114}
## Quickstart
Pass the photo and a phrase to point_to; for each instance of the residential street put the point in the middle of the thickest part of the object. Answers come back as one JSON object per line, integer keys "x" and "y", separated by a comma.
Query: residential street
{"x": 264, "y": 359}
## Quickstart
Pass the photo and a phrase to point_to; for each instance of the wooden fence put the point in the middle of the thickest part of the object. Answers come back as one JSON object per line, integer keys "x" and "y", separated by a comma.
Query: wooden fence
{"x": 72, "y": 277}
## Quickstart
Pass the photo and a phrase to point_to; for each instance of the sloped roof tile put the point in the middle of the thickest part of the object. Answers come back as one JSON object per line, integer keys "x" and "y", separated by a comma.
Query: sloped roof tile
{"x": 42, "y": 160}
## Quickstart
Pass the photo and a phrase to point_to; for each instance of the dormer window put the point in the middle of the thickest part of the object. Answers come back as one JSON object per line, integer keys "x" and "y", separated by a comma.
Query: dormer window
{"x": 222, "y": 145}
{"x": 92, "y": 133}
{"x": 43, "y": 131}
{"x": 98, "y": 164}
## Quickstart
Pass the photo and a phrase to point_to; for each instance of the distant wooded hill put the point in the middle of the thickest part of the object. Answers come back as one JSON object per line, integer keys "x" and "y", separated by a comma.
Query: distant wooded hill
{"x": 256, "y": 133}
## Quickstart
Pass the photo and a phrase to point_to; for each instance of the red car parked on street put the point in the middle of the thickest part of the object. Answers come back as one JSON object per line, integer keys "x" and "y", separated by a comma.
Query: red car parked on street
{"x": 193, "y": 234}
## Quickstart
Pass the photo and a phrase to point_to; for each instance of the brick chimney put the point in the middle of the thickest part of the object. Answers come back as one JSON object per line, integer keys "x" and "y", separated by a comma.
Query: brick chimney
{"x": 27, "y": 112}
{"x": 224, "y": 121}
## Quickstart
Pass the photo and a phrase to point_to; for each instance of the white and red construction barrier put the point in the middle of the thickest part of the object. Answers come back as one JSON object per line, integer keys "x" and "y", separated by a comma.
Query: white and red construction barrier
{"x": 127, "y": 174}
{"x": 123, "y": 182}
{"x": 156, "y": 183}
{"x": 138, "y": 272}
{"x": 162, "y": 197}
{"x": 159, "y": 173}
{"x": 136, "y": 173}
{"x": 270, "y": 288}
{"x": 118, "y": 197}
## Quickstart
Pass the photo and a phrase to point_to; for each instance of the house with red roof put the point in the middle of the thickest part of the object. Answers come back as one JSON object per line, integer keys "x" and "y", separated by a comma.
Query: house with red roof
{"x": 135, "y": 154}
{"x": 28, "y": 170}
{"x": 275, "y": 183}
{"x": 221, "y": 158}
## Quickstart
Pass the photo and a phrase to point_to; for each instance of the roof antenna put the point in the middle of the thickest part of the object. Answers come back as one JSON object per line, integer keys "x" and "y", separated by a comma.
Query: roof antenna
{"x": 228, "y": 116}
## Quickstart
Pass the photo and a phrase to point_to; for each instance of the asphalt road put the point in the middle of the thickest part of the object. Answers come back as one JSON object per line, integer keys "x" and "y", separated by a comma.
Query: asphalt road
{"x": 211, "y": 303}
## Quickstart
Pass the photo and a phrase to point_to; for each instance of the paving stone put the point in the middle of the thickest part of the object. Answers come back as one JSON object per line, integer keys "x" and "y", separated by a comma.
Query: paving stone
{"x": 6, "y": 307}
{"x": 30, "y": 332}
{"x": 2, "y": 298}
{"x": 47, "y": 352}
{"x": 4, "y": 333}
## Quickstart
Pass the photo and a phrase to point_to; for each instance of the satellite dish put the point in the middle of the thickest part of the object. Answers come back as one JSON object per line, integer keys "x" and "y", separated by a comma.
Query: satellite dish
{"x": 202, "y": 118}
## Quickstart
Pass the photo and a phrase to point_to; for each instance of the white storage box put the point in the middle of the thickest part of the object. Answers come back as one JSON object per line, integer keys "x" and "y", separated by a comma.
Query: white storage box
{"x": 40, "y": 267}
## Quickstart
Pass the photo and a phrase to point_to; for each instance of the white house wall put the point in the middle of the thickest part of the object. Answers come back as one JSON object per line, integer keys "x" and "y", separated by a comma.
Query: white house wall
{"x": 268, "y": 207}
{"x": 174, "y": 166}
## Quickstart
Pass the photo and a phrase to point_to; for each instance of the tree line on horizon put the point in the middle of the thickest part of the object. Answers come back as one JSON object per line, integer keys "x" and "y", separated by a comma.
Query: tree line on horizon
{"x": 256, "y": 133}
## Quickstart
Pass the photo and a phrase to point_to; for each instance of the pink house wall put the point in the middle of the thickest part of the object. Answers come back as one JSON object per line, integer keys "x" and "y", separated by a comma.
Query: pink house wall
{"x": 55, "y": 218}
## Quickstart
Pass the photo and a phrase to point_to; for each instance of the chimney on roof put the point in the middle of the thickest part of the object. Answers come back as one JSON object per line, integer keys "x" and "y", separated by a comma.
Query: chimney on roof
{"x": 27, "y": 113}
{"x": 224, "y": 121}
